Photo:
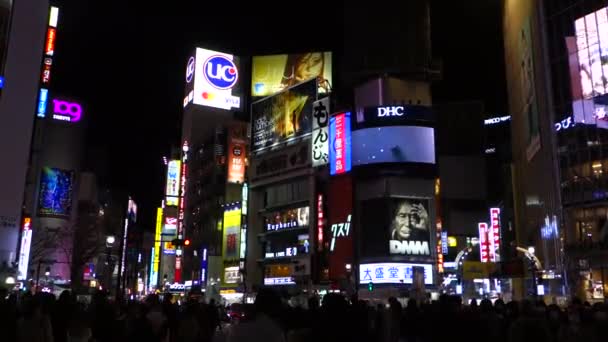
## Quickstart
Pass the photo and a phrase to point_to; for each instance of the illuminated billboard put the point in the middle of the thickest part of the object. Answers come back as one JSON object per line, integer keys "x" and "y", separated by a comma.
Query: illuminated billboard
{"x": 24, "y": 250}
{"x": 156, "y": 249}
{"x": 320, "y": 133}
{"x": 398, "y": 115}
{"x": 66, "y": 110}
{"x": 592, "y": 50}
{"x": 237, "y": 153}
{"x": 393, "y": 273}
{"x": 340, "y": 233}
{"x": 288, "y": 219}
{"x": 339, "y": 144}
{"x": 232, "y": 234}
{"x": 393, "y": 144}
{"x": 397, "y": 227}
{"x": 173, "y": 175}
{"x": 55, "y": 194}
{"x": 43, "y": 96}
{"x": 283, "y": 117}
{"x": 216, "y": 80}
{"x": 272, "y": 74}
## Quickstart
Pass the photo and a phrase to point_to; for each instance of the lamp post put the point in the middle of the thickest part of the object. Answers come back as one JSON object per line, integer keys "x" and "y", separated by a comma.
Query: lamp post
{"x": 110, "y": 240}
{"x": 531, "y": 251}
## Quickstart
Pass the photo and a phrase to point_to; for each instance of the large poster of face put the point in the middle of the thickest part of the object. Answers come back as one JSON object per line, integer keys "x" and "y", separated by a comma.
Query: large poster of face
{"x": 400, "y": 225}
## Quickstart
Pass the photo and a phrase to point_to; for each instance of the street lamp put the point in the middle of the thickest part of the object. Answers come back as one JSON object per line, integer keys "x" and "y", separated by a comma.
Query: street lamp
{"x": 110, "y": 239}
{"x": 533, "y": 269}
{"x": 9, "y": 281}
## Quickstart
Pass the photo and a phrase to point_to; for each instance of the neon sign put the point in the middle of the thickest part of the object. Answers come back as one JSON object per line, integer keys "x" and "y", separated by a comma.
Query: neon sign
{"x": 493, "y": 121}
{"x": 320, "y": 222}
{"x": 66, "y": 111}
{"x": 340, "y": 144}
{"x": 494, "y": 234}
{"x": 338, "y": 230}
{"x": 24, "y": 250}
{"x": 393, "y": 273}
{"x": 484, "y": 246}
{"x": 190, "y": 70}
{"x": 49, "y": 47}
{"x": 42, "y": 102}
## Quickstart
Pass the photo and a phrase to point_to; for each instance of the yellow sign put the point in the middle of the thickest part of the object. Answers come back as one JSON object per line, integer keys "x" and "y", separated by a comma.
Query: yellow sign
{"x": 157, "y": 236}
{"x": 232, "y": 234}
{"x": 452, "y": 242}
{"x": 272, "y": 74}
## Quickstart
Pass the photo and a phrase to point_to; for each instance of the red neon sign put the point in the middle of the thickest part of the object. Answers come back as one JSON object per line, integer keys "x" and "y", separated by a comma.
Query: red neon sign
{"x": 494, "y": 234}
{"x": 484, "y": 245}
{"x": 50, "y": 42}
{"x": 320, "y": 222}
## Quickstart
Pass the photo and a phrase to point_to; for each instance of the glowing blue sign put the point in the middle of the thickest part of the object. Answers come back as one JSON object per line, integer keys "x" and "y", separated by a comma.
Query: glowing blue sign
{"x": 220, "y": 72}
{"x": 1, "y": 82}
{"x": 42, "y": 102}
{"x": 339, "y": 144}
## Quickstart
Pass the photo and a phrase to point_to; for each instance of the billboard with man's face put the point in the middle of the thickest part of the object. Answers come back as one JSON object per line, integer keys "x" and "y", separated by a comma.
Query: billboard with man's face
{"x": 283, "y": 117}
{"x": 272, "y": 74}
{"x": 396, "y": 226}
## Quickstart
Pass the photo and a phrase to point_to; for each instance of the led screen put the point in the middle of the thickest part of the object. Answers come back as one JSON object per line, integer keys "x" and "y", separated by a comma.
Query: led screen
{"x": 55, "y": 197}
{"x": 396, "y": 226}
{"x": 232, "y": 233}
{"x": 284, "y": 116}
{"x": 393, "y": 144}
{"x": 272, "y": 74}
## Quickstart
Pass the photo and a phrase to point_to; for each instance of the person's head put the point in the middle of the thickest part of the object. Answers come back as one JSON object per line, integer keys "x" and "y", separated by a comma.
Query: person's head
{"x": 308, "y": 65}
{"x": 404, "y": 219}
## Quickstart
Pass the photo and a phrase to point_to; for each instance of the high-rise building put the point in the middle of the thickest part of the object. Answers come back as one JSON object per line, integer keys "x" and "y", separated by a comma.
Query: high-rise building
{"x": 554, "y": 52}
{"x": 23, "y": 28}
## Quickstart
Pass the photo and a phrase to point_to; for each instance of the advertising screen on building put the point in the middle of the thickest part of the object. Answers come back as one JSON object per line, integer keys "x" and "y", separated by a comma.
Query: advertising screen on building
{"x": 393, "y": 273}
{"x": 340, "y": 144}
{"x": 592, "y": 45}
{"x": 237, "y": 153}
{"x": 232, "y": 234}
{"x": 396, "y": 226}
{"x": 288, "y": 219}
{"x": 24, "y": 250}
{"x": 340, "y": 225}
{"x": 400, "y": 115}
{"x": 393, "y": 144}
{"x": 173, "y": 181}
{"x": 588, "y": 63}
{"x": 272, "y": 74}
{"x": 320, "y": 133}
{"x": 55, "y": 197}
{"x": 283, "y": 117}
{"x": 216, "y": 80}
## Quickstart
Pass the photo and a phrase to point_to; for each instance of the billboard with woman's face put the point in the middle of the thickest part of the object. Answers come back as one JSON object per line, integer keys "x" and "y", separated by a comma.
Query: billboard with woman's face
{"x": 272, "y": 74}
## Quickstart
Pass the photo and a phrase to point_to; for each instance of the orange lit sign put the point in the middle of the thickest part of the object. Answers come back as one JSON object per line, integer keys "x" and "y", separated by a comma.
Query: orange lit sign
{"x": 50, "y": 42}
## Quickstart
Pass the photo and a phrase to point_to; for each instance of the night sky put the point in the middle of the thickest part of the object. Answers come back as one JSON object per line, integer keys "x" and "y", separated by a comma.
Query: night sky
{"x": 126, "y": 64}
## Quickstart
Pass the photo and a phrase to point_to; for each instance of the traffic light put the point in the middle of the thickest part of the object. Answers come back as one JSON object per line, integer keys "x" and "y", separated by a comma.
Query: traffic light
{"x": 370, "y": 286}
{"x": 180, "y": 242}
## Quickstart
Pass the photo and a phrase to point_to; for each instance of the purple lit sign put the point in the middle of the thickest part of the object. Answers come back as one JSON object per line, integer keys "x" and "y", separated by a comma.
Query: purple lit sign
{"x": 66, "y": 111}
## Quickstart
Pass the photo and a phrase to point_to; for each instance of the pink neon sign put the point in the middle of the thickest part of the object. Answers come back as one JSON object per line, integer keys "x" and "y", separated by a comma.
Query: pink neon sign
{"x": 66, "y": 111}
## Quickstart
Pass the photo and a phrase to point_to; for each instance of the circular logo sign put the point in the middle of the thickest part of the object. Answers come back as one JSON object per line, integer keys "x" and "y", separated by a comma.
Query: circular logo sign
{"x": 190, "y": 70}
{"x": 220, "y": 72}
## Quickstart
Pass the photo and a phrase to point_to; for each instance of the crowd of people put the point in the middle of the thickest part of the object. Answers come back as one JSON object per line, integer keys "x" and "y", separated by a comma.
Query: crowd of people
{"x": 43, "y": 318}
